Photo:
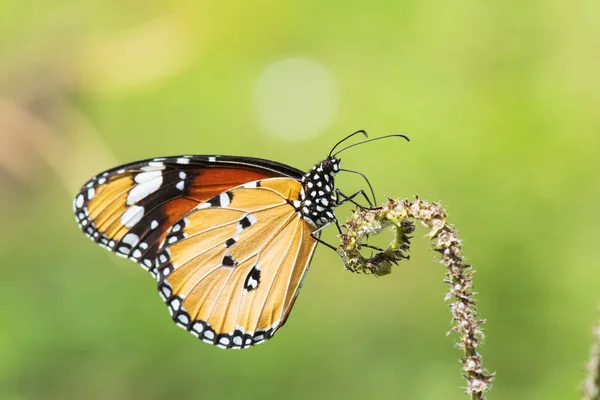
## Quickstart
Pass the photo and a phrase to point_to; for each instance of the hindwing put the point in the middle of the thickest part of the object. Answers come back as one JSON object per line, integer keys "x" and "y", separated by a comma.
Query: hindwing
{"x": 231, "y": 268}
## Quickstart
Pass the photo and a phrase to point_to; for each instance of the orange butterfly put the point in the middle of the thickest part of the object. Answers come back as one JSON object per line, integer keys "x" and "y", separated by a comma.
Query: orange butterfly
{"x": 229, "y": 239}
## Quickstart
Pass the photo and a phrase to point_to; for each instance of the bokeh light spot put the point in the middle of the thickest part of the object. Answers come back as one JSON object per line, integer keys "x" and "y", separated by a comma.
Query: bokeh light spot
{"x": 296, "y": 98}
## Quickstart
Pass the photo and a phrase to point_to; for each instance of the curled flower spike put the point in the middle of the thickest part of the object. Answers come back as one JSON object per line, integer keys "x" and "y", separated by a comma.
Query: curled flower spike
{"x": 399, "y": 216}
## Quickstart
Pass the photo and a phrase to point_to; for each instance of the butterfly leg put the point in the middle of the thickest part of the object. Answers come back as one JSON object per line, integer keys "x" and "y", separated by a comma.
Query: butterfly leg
{"x": 345, "y": 199}
{"x": 315, "y": 235}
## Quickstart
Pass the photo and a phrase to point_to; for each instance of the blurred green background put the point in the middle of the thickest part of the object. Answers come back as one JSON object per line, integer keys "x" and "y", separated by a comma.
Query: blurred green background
{"x": 501, "y": 101}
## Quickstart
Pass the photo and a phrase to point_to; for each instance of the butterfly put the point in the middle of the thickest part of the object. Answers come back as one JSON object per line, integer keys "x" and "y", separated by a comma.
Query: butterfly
{"x": 229, "y": 239}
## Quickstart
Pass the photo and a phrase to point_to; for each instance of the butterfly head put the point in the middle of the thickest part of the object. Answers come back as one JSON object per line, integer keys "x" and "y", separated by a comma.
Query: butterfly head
{"x": 318, "y": 199}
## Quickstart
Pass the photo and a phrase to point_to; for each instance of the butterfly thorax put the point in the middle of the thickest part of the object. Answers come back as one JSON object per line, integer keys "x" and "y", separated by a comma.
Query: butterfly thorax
{"x": 318, "y": 200}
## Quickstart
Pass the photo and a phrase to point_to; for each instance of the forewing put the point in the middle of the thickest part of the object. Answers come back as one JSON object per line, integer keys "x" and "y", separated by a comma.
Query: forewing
{"x": 129, "y": 209}
{"x": 230, "y": 270}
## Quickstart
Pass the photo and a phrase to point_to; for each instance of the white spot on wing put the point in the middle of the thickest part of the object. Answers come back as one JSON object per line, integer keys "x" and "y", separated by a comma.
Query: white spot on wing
{"x": 224, "y": 340}
{"x": 148, "y": 183}
{"x": 154, "y": 224}
{"x": 79, "y": 201}
{"x": 180, "y": 185}
{"x": 209, "y": 335}
{"x": 224, "y": 200}
{"x": 131, "y": 239}
{"x": 212, "y": 159}
{"x": 132, "y": 216}
{"x": 182, "y": 160}
{"x": 146, "y": 176}
{"x": 203, "y": 205}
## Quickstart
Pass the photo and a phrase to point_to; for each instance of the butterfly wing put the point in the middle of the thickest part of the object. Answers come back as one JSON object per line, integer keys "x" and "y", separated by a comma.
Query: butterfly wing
{"x": 129, "y": 209}
{"x": 231, "y": 269}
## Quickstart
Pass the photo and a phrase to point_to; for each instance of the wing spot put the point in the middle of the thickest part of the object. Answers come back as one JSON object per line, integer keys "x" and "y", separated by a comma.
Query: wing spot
{"x": 162, "y": 258}
{"x": 147, "y": 176}
{"x": 175, "y": 304}
{"x": 132, "y": 216}
{"x": 183, "y": 318}
{"x": 224, "y": 341}
{"x": 131, "y": 239}
{"x": 204, "y": 205}
{"x": 166, "y": 291}
{"x": 225, "y": 199}
{"x": 183, "y": 160}
{"x": 228, "y": 261}
{"x": 79, "y": 201}
{"x": 251, "y": 185}
{"x": 230, "y": 242}
{"x": 209, "y": 334}
{"x": 147, "y": 183}
{"x": 198, "y": 327}
{"x": 247, "y": 221}
{"x": 252, "y": 279}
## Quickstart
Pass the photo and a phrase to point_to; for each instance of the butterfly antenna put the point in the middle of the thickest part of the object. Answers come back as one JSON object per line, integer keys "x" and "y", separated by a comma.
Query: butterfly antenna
{"x": 366, "y": 179}
{"x": 371, "y": 140}
{"x": 346, "y": 138}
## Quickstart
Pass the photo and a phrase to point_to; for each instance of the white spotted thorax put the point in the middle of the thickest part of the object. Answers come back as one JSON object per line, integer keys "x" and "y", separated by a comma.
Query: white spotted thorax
{"x": 318, "y": 199}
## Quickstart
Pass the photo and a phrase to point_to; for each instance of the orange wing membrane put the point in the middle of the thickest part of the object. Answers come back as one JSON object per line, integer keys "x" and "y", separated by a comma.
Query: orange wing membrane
{"x": 129, "y": 209}
{"x": 231, "y": 269}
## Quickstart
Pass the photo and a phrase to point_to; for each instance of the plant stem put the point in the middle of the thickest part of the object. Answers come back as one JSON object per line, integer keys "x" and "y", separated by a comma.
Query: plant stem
{"x": 399, "y": 215}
